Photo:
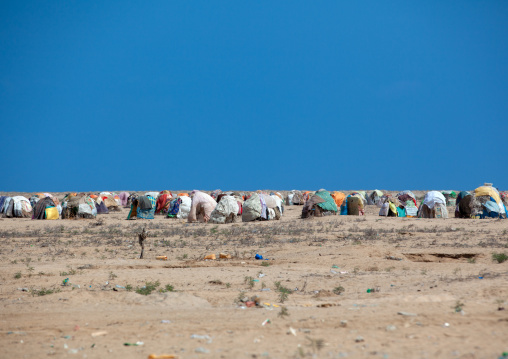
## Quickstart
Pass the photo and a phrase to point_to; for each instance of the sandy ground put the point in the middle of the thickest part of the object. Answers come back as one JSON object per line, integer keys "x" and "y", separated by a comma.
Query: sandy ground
{"x": 446, "y": 283}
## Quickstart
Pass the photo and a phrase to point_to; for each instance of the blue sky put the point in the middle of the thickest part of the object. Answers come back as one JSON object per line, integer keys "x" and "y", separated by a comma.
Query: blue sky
{"x": 138, "y": 95}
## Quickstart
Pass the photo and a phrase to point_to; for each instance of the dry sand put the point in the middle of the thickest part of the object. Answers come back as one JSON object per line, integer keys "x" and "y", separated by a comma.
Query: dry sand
{"x": 439, "y": 271}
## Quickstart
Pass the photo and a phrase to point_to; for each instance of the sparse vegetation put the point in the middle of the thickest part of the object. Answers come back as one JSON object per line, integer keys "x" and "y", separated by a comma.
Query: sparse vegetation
{"x": 71, "y": 271}
{"x": 458, "y": 306}
{"x": 499, "y": 257}
{"x": 43, "y": 291}
{"x": 284, "y": 312}
{"x": 249, "y": 281}
{"x": 17, "y": 275}
{"x": 315, "y": 344}
{"x": 148, "y": 288}
{"x": 283, "y": 292}
{"x": 338, "y": 290}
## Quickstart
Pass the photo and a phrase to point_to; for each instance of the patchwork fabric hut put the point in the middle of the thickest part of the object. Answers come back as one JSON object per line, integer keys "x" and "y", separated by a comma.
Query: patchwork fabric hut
{"x": 433, "y": 206}
{"x": 79, "y": 206}
{"x": 15, "y": 207}
{"x": 320, "y": 204}
{"x": 142, "y": 207}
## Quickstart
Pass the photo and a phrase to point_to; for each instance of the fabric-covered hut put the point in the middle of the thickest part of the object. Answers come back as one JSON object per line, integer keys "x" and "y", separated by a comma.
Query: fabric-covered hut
{"x": 15, "y": 207}
{"x": 338, "y": 198}
{"x": 374, "y": 197}
{"x": 407, "y": 206}
{"x": 100, "y": 206}
{"x": 79, "y": 206}
{"x": 388, "y": 206}
{"x": 202, "y": 206}
{"x": 163, "y": 202}
{"x": 180, "y": 207}
{"x": 226, "y": 210}
{"x": 109, "y": 201}
{"x": 487, "y": 203}
{"x": 433, "y": 206}
{"x": 124, "y": 197}
{"x": 142, "y": 207}
{"x": 260, "y": 206}
{"x": 295, "y": 197}
{"x": 45, "y": 208}
{"x": 320, "y": 204}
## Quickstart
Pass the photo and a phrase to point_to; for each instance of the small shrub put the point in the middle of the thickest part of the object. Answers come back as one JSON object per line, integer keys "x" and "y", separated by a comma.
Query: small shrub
{"x": 148, "y": 288}
{"x": 168, "y": 288}
{"x": 71, "y": 271}
{"x": 112, "y": 276}
{"x": 249, "y": 281}
{"x": 283, "y": 292}
{"x": 17, "y": 275}
{"x": 338, "y": 290}
{"x": 44, "y": 291}
{"x": 499, "y": 257}
{"x": 128, "y": 288}
{"x": 284, "y": 312}
{"x": 265, "y": 264}
{"x": 458, "y": 306}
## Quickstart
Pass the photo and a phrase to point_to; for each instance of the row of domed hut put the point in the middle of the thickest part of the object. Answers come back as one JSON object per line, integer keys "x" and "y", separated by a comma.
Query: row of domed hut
{"x": 72, "y": 205}
{"x": 217, "y": 207}
{"x": 196, "y": 206}
{"x": 484, "y": 202}
{"x": 226, "y": 207}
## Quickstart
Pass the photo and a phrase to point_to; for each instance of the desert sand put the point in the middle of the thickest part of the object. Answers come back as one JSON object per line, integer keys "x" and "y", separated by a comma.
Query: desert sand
{"x": 437, "y": 293}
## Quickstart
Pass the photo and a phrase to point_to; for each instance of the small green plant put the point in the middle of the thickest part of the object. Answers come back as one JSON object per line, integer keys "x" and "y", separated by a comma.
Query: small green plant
{"x": 44, "y": 291}
{"x": 458, "y": 306}
{"x": 228, "y": 285}
{"x": 148, "y": 288}
{"x": 112, "y": 276}
{"x": 167, "y": 288}
{"x": 71, "y": 271}
{"x": 128, "y": 288}
{"x": 471, "y": 260}
{"x": 17, "y": 275}
{"x": 249, "y": 281}
{"x": 316, "y": 344}
{"x": 185, "y": 256}
{"x": 356, "y": 270}
{"x": 283, "y": 292}
{"x": 265, "y": 264}
{"x": 424, "y": 272}
{"x": 338, "y": 290}
{"x": 499, "y": 257}
{"x": 284, "y": 312}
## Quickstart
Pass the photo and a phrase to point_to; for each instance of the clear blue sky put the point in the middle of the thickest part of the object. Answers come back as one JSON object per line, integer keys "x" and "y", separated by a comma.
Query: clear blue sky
{"x": 136, "y": 95}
